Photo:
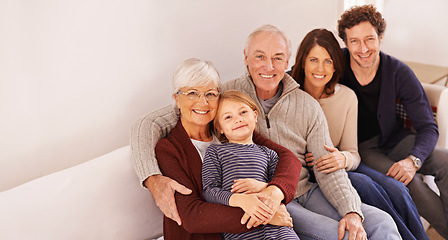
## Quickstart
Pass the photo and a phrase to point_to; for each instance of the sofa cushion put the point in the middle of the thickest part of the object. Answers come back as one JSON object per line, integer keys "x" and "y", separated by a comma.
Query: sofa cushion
{"x": 99, "y": 199}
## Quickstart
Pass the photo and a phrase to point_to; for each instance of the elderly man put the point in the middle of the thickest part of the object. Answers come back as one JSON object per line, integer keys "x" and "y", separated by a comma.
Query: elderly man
{"x": 379, "y": 80}
{"x": 290, "y": 117}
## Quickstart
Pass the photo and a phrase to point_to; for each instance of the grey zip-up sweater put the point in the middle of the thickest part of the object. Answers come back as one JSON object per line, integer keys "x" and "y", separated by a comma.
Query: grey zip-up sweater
{"x": 296, "y": 121}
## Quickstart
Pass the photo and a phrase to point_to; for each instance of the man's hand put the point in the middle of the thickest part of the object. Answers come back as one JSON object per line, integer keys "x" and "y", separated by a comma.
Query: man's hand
{"x": 352, "y": 222}
{"x": 248, "y": 185}
{"x": 162, "y": 189}
{"x": 332, "y": 161}
{"x": 403, "y": 171}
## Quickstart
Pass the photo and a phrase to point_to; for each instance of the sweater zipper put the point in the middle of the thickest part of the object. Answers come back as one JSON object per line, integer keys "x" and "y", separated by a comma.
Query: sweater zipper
{"x": 267, "y": 122}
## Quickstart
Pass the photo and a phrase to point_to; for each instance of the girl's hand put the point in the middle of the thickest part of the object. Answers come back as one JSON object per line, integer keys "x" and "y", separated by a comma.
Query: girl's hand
{"x": 248, "y": 185}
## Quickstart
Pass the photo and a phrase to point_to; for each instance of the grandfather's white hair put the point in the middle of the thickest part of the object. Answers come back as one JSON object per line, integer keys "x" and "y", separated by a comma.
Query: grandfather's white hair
{"x": 194, "y": 72}
{"x": 270, "y": 29}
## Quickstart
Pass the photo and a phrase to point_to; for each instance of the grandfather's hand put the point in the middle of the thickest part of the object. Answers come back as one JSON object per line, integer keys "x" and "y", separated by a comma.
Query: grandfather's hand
{"x": 162, "y": 189}
{"x": 353, "y": 223}
{"x": 403, "y": 171}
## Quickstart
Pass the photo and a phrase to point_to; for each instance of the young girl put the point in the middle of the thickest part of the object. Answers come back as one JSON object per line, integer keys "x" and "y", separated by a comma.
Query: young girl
{"x": 235, "y": 171}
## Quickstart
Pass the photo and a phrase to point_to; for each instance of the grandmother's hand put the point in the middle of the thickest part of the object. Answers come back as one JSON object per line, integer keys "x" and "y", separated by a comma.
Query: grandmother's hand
{"x": 271, "y": 196}
{"x": 282, "y": 217}
{"x": 162, "y": 189}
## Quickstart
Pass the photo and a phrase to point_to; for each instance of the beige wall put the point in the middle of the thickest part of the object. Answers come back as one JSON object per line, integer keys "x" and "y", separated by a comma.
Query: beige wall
{"x": 74, "y": 75}
{"x": 417, "y": 30}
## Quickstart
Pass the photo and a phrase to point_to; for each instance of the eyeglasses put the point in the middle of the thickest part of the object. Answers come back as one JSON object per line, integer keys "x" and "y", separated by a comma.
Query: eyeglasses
{"x": 194, "y": 95}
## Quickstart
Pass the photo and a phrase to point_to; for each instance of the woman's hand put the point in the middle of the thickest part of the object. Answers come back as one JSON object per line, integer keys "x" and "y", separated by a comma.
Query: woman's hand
{"x": 253, "y": 206}
{"x": 248, "y": 185}
{"x": 272, "y": 197}
{"x": 281, "y": 217}
{"x": 331, "y": 162}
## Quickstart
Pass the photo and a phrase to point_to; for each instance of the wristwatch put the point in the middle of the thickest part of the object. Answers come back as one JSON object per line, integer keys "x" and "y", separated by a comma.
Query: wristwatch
{"x": 416, "y": 160}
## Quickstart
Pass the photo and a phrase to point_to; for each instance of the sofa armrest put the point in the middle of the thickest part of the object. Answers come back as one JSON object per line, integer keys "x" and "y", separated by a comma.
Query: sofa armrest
{"x": 438, "y": 98}
{"x": 99, "y": 199}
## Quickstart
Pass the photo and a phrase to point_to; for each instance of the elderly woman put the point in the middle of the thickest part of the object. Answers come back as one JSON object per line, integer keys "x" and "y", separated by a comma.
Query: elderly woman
{"x": 196, "y": 92}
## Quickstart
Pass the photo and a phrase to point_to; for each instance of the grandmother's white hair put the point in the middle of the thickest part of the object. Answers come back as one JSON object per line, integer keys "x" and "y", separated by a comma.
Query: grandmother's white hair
{"x": 194, "y": 72}
{"x": 270, "y": 29}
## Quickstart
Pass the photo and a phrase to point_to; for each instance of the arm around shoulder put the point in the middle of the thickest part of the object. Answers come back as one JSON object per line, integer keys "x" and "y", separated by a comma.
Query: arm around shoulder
{"x": 145, "y": 134}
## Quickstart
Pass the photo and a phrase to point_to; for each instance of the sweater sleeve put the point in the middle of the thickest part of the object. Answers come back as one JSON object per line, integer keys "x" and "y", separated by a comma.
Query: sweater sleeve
{"x": 349, "y": 138}
{"x": 416, "y": 105}
{"x": 212, "y": 178}
{"x": 198, "y": 216}
{"x": 288, "y": 168}
{"x": 336, "y": 186}
{"x": 145, "y": 134}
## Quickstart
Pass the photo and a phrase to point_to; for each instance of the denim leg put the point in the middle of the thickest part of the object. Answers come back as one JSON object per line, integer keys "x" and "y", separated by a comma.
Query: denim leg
{"x": 310, "y": 225}
{"x": 378, "y": 224}
{"x": 315, "y": 218}
{"x": 392, "y": 197}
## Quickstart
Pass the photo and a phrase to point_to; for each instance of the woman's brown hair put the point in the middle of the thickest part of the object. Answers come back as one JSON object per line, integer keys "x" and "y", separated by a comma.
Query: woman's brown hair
{"x": 325, "y": 39}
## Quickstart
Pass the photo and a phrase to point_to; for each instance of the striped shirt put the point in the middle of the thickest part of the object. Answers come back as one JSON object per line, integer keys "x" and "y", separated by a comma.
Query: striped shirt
{"x": 230, "y": 161}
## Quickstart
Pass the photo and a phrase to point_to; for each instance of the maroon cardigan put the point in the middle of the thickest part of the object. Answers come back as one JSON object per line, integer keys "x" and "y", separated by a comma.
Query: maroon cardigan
{"x": 179, "y": 160}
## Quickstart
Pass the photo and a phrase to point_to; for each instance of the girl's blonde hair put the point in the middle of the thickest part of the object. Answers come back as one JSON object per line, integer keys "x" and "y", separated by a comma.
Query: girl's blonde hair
{"x": 236, "y": 96}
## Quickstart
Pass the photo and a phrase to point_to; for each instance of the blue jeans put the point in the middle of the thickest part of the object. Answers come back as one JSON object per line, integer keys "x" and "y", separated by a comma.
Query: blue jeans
{"x": 314, "y": 218}
{"x": 391, "y": 196}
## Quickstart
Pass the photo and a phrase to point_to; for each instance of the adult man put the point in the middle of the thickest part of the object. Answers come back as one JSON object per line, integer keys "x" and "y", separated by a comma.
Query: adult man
{"x": 292, "y": 118}
{"x": 379, "y": 80}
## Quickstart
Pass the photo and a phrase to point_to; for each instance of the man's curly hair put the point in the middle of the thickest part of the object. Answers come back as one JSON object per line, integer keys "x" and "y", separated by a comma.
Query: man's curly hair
{"x": 359, "y": 14}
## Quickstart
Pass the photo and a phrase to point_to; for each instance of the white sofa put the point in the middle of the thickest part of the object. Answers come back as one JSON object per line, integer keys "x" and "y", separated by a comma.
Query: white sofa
{"x": 102, "y": 198}
{"x": 438, "y": 98}
{"x": 99, "y": 199}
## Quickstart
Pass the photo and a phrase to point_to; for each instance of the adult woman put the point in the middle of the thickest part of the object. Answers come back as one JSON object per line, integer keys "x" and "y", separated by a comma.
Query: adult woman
{"x": 318, "y": 66}
{"x": 196, "y": 92}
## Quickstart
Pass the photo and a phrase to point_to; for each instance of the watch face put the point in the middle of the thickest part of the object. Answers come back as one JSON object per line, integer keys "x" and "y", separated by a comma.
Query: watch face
{"x": 418, "y": 162}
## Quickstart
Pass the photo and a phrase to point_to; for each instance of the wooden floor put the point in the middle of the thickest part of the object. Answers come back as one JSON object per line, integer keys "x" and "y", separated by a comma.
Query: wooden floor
{"x": 433, "y": 235}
